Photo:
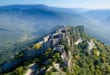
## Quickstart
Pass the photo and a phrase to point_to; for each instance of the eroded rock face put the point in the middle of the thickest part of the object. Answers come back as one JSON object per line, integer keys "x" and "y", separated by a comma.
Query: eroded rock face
{"x": 91, "y": 45}
{"x": 78, "y": 41}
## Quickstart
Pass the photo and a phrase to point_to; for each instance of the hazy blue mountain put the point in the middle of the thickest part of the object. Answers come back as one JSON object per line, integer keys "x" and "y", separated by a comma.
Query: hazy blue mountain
{"x": 28, "y": 21}
{"x": 81, "y": 10}
{"x": 102, "y": 20}
{"x": 3, "y": 29}
{"x": 99, "y": 14}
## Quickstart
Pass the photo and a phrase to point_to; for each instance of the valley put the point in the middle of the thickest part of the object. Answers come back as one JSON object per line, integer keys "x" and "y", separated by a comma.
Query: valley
{"x": 23, "y": 18}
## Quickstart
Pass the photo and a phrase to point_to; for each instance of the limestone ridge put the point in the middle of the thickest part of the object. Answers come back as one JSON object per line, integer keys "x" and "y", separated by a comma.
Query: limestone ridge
{"x": 53, "y": 41}
{"x": 49, "y": 41}
{"x": 67, "y": 50}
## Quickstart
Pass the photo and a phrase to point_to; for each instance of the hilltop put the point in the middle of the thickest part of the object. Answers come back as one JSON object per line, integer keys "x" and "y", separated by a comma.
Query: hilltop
{"x": 67, "y": 50}
{"x": 21, "y": 24}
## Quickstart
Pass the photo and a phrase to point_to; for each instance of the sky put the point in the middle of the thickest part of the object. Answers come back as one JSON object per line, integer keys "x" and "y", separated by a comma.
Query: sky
{"x": 91, "y": 4}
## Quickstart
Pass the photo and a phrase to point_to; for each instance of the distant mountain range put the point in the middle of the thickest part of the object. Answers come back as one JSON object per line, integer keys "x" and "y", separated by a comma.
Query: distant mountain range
{"x": 2, "y": 29}
{"x": 27, "y": 21}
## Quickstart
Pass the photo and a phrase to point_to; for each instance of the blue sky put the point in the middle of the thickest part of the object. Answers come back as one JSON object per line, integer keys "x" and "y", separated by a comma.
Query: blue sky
{"x": 92, "y": 4}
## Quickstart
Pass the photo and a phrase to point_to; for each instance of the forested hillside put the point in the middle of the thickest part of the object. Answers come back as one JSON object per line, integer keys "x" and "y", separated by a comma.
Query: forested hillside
{"x": 67, "y": 50}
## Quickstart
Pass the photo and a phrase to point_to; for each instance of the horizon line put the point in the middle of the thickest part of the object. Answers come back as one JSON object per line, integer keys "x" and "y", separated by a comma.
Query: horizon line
{"x": 59, "y": 6}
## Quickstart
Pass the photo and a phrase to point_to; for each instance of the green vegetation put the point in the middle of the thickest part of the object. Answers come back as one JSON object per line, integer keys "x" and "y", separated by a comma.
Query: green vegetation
{"x": 64, "y": 42}
{"x": 36, "y": 46}
{"x": 96, "y": 63}
{"x": 84, "y": 61}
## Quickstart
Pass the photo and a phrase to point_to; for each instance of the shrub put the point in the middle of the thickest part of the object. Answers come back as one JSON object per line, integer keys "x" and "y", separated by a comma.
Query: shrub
{"x": 37, "y": 46}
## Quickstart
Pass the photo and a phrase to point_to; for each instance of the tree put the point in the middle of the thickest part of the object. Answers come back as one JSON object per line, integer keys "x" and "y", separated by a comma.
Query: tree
{"x": 96, "y": 52}
{"x": 48, "y": 52}
{"x": 37, "y": 46}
